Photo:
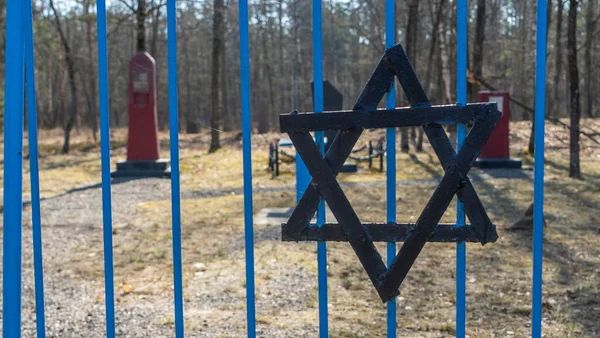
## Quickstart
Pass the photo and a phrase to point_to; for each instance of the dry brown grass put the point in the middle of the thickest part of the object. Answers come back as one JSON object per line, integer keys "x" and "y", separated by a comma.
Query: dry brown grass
{"x": 499, "y": 275}
{"x": 199, "y": 169}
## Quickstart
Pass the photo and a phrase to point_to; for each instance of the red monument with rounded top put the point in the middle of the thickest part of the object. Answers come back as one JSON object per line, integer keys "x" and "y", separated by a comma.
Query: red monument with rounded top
{"x": 142, "y": 143}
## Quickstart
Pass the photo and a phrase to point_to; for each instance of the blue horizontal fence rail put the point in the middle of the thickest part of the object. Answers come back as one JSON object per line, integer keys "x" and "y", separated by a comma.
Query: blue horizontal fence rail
{"x": 20, "y": 65}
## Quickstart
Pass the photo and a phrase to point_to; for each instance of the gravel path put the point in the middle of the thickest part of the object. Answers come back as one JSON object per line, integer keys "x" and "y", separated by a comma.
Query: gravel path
{"x": 70, "y": 221}
{"x": 73, "y": 309}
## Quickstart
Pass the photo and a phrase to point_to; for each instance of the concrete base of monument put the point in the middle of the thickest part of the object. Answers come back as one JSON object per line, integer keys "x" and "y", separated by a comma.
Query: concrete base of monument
{"x": 158, "y": 168}
{"x": 498, "y": 163}
{"x": 276, "y": 216}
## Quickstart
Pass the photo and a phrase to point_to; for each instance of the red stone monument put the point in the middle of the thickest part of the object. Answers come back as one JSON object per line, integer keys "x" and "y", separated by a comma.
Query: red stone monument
{"x": 142, "y": 144}
{"x": 495, "y": 153}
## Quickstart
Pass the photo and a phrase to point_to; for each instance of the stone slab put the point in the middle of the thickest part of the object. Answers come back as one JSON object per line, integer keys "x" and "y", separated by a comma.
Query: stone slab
{"x": 276, "y": 216}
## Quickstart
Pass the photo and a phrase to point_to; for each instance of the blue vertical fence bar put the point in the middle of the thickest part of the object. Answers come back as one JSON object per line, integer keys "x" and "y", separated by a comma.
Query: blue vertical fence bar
{"x": 13, "y": 170}
{"x": 538, "y": 184}
{"x": 390, "y": 134}
{"x": 317, "y": 26}
{"x": 105, "y": 164}
{"x": 247, "y": 154}
{"x": 34, "y": 175}
{"x": 461, "y": 131}
{"x": 174, "y": 151}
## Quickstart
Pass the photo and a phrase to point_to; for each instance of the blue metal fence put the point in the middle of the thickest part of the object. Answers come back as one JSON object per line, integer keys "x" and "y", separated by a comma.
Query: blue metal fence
{"x": 34, "y": 177}
{"x": 538, "y": 184}
{"x": 174, "y": 147}
{"x": 461, "y": 133}
{"x": 390, "y": 134}
{"x": 20, "y": 66}
{"x": 13, "y": 168}
{"x": 317, "y": 28}
{"x": 109, "y": 285}
{"x": 247, "y": 149}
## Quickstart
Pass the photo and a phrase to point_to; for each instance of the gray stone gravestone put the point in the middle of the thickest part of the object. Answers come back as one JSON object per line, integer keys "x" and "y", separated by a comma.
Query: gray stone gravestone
{"x": 333, "y": 100}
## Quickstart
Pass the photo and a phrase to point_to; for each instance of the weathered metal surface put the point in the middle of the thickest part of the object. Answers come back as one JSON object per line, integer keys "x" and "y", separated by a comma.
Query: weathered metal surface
{"x": 330, "y": 190}
{"x": 351, "y": 124}
{"x": 438, "y": 203}
{"x": 332, "y": 100}
{"x": 384, "y": 232}
{"x": 380, "y": 118}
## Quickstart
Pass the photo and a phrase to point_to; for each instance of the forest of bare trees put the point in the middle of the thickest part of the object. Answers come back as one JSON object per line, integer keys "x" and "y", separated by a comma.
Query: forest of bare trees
{"x": 501, "y": 56}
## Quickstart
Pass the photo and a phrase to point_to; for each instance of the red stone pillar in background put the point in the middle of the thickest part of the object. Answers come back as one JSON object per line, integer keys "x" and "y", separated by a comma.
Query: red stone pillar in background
{"x": 142, "y": 143}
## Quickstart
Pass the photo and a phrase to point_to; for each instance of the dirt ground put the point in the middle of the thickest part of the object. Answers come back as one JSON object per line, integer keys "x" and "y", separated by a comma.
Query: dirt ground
{"x": 498, "y": 275}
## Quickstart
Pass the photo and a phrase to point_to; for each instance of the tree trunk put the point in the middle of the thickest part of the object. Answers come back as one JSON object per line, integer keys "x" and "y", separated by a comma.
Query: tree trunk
{"x": 478, "y": 48}
{"x": 283, "y": 81}
{"x": 411, "y": 52}
{"x": 294, "y": 33}
{"x": 59, "y": 103}
{"x": 228, "y": 114}
{"x": 155, "y": 30}
{"x": 216, "y": 67}
{"x": 69, "y": 122}
{"x": 445, "y": 66}
{"x": 73, "y": 109}
{"x": 524, "y": 34}
{"x": 262, "y": 17}
{"x": 445, "y": 77}
{"x": 590, "y": 28}
{"x": 189, "y": 109}
{"x": 531, "y": 144}
{"x": 555, "y": 110}
{"x": 574, "y": 170}
{"x": 433, "y": 46}
{"x": 140, "y": 18}
{"x": 92, "y": 111}
{"x": 432, "y": 53}
{"x": 51, "y": 83}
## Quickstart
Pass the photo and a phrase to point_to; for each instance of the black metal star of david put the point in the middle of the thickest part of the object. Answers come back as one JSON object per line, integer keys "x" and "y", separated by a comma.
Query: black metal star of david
{"x": 350, "y": 124}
